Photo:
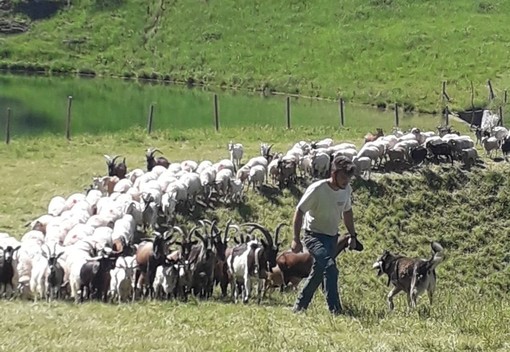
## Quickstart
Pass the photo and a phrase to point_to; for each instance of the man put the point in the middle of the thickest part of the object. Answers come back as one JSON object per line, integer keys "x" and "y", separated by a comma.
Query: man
{"x": 322, "y": 206}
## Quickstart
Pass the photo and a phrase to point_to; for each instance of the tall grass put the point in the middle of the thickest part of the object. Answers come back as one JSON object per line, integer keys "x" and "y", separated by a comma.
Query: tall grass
{"x": 464, "y": 211}
{"x": 374, "y": 52}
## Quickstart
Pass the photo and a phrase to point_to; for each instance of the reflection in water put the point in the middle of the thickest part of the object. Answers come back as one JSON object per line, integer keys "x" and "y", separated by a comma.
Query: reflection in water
{"x": 39, "y": 105}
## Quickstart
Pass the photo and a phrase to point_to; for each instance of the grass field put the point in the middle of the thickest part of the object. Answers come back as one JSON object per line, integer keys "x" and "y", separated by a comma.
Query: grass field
{"x": 464, "y": 211}
{"x": 373, "y": 52}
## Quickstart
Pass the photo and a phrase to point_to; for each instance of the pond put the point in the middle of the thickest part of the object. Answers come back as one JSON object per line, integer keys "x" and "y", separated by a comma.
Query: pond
{"x": 39, "y": 105}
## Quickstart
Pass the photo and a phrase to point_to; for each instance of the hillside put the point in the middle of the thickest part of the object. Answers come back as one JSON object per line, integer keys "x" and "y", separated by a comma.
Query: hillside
{"x": 373, "y": 52}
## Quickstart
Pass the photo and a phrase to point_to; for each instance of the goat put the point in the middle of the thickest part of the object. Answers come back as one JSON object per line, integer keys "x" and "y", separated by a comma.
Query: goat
{"x": 286, "y": 172}
{"x": 418, "y": 154}
{"x": 236, "y": 153}
{"x": 7, "y": 268}
{"x": 151, "y": 161}
{"x": 253, "y": 259}
{"x": 166, "y": 279}
{"x": 149, "y": 255}
{"x": 54, "y": 273}
{"x": 121, "y": 279}
{"x": 297, "y": 266}
{"x": 95, "y": 275}
{"x": 119, "y": 169}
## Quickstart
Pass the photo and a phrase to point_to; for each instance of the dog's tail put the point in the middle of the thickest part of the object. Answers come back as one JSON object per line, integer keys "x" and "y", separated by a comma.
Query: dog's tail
{"x": 437, "y": 255}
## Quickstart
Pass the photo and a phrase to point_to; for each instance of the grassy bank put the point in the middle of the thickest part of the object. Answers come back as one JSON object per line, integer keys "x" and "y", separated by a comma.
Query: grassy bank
{"x": 374, "y": 52}
{"x": 464, "y": 211}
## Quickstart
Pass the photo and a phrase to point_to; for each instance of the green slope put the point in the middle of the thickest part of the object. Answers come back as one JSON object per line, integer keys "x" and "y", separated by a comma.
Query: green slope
{"x": 376, "y": 51}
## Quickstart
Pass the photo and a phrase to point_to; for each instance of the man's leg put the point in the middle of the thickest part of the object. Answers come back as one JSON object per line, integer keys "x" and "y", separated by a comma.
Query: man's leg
{"x": 320, "y": 253}
{"x": 331, "y": 281}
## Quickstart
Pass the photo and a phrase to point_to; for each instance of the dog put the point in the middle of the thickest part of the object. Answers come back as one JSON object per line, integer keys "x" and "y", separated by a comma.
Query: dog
{"x": 411, "y": 275}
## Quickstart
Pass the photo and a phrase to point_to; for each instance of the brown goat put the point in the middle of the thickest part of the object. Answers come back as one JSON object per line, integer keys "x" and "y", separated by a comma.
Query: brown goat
{"x": 369, "y": 137}
{"x": 151, "y": 161}
{"x": 297, "y": 266}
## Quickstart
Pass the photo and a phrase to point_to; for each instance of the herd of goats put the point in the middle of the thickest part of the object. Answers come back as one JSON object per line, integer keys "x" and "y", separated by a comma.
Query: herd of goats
{"x": 119, "y": 240}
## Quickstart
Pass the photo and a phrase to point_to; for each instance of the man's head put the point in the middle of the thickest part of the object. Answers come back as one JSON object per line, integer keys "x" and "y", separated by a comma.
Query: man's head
{"x": 342, "y": 169}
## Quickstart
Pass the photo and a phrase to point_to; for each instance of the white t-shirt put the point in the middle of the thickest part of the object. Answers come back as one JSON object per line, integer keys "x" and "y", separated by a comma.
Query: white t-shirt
{"x": 323, "y": 207}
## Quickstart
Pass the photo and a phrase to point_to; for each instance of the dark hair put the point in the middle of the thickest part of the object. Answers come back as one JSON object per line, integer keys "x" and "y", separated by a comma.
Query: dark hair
{"x": 344, "y": 164}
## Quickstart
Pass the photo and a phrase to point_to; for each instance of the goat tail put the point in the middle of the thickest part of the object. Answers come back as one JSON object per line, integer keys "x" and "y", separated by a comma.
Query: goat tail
{"x": 437, "y": 255}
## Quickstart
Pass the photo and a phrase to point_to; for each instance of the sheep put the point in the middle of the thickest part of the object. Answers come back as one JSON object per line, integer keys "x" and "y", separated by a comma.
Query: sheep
{"x": 257, "y": 176}
{"x": 243, "y": 173}
{"x": 133, "y": 175}
{"x": 469, "y": 157}
{"x": 123, "y": 186}
{"x": 207, "y": 178}
{"x": 236, "y": 153}
{"x": 320, "y": 165}
{"x": 56, "y": 206}
{"x": 224, "y": 164}
{"x": 151, "y": 161}
{"x": 363, "y": 166}
{"x": 490, "y": 144}
{"x": 222, "y": 181}
{"x": 114, "y": 169}
{"x": 505, "y": 147}
{"x": 273, "y": 170}
{"x": 204, "y": 164}
{"x": 418, "y": 154}
{"x": 349, "y": 153}
{"x": 325, "y": 143}
{"x": 236, "y": 188}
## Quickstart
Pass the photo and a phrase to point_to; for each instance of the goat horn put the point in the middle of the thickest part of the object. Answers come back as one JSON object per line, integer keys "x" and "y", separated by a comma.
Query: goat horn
{"x": 108, "y": 158}
{"x": 277, "y": 232}
{"x": 115, "y": 158}
{"x": 149, "y": 152}
{"x": 147, "y": 239}
{"x": 55, "y": 249}
{"x": 226, "y": 230}
{"x": 262, "y": 229}
{"x": 178, "y": 229}
{"x": 199, "y": 236}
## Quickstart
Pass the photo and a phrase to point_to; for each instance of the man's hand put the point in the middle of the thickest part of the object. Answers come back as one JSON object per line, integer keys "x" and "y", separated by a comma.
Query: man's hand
{"x": 296, "y": 245}
{"x": 352, "y": 242}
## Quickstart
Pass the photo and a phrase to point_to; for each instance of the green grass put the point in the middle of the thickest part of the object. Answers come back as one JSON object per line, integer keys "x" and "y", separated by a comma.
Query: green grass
{"x": 465, "y": 211}
{"x": 373, "y": 52}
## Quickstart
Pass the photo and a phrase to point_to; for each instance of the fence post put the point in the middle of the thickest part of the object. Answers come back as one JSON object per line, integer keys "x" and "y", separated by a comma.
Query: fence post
{"x": 342, "y": 115}
{"x": 288, "y": 112}
{"x": 472, "y": 104}
{"x": 501, "y": 115}
{"x": 491, "y": 91}
{"x": 8, "y": 127}
{"x": 216, "y": 113}
{"x": 446, "y": 115}
{"x": 396, "y": 115}
{"x": 150, "y": 119}
{"x": 68, "y": 121}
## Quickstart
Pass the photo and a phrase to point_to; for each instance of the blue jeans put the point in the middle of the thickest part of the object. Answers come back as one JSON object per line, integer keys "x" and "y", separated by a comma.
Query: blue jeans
{"x": 321, "y": 247}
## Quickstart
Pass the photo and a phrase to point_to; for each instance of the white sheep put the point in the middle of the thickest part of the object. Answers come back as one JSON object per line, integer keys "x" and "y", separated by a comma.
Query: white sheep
{"x": 257, "y": 176}
{"x": 363, "y": 166}
{"x": 490, "y": 144}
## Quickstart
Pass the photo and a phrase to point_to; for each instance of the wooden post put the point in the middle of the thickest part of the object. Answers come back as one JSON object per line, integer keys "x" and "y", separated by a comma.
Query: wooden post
{"x": 396, "y": 115}
{"x": 216, "y": 113}
{"x": 342, "y": 115}
{"x": 472, "y": 104}
{"x": 288, "y": 112}
{"x": 68, "y": 121}
{"x": 150, "y": 119}
{"x": 506, "y": 96}
{"x": 446, "y": 115}
{"x": 501, "y": 115}
{"x": 8, "y": 127}
{"x": 491, "y": 91}
{"x": 443, "y": 91}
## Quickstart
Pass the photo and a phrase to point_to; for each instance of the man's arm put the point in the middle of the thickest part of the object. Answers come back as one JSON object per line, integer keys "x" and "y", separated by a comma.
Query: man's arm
{"x": 349, "y": 222}
{"x": 296, "y": 245}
